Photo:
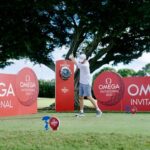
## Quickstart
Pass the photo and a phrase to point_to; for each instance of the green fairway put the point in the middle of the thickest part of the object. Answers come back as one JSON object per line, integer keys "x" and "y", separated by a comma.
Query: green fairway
{"x": 113, "y": 131}
{"x": 46, "y": 102}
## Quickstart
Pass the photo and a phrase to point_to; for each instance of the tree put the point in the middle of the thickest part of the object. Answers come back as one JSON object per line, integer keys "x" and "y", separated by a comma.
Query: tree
{"x": 105, "y": 30}
{"x": 23, "y": 31}
{"x": 112, "y": 31}
{"x": 140, "y": 73}
{"x": 108, "y": 30}
{"x": 119, "y": 38}
{"x": 146, "y": 69}
{"x": 126, "y": 72}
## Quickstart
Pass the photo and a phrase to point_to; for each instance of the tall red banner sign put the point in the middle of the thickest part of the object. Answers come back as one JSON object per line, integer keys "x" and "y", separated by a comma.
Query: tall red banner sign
{"x": 115, "y": 93}
{"x": 18, "y": 93}
{"x": 64, "y": 86}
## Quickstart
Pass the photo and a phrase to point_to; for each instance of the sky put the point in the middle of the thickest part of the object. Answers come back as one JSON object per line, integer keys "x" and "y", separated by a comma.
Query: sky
{"x": 43, "y": 72}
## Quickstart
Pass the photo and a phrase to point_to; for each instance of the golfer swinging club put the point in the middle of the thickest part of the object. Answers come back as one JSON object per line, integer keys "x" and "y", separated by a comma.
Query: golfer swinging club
{"x": 84, "y": 86}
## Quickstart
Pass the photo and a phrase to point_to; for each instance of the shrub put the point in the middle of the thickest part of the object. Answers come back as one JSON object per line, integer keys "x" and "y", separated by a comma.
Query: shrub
{"x": 46, "y": 89}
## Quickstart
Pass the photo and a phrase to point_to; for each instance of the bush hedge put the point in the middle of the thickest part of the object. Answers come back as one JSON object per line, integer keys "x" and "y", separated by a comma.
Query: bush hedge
{"x": 46, "y": 88}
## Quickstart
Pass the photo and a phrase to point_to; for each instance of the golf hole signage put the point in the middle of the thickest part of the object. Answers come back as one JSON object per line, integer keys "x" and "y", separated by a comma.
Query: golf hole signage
{"x": 18, "y": 93}
{"x": 64, "y": 92}
{"x": 115, "y": 93}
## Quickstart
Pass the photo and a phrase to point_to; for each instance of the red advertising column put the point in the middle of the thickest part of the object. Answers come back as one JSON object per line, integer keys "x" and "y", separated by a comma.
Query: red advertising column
{"x": 64, "y": 89}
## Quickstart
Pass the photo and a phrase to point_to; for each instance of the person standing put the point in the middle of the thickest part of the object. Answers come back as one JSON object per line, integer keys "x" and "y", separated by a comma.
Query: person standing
{"x": 84, "y": 84}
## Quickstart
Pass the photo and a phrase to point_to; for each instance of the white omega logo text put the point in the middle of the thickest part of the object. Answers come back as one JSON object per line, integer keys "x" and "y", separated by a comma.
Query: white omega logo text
{"x": 108, "y": 80}
{"x": 134, "y": 89}
{"x": 27, "y": 78}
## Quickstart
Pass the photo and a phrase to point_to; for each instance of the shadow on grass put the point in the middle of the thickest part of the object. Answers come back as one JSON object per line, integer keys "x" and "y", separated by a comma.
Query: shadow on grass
{"x": 88, "y": 109}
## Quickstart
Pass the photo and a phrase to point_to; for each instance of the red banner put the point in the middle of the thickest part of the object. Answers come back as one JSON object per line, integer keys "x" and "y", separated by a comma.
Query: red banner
{"x": 64, "y": 86}
{"x": 18, "y": 93}
{"x": 8, "y": 100}
{"x": 137, "y": 93}
{"x": 122, "y": 94}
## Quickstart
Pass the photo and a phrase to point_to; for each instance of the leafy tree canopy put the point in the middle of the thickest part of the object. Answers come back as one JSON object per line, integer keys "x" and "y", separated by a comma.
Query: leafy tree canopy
{"x": 146, "y": 69}
{"x": 23, "y": 31}
{"x": 126, "y": 72}
{"x": 106, "y": 30}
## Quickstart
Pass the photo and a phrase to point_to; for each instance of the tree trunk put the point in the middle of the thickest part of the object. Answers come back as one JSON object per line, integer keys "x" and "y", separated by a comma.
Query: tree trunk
{"x": 76, "y": 89}
{"x": 50, "y": 65}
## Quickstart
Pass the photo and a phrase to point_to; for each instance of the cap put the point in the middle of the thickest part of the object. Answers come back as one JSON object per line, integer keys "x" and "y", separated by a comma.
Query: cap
{"x": 82, "y": 57}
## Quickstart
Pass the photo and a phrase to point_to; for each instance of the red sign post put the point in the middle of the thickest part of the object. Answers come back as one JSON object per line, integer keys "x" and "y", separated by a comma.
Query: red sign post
{"x": 64, "y": 86}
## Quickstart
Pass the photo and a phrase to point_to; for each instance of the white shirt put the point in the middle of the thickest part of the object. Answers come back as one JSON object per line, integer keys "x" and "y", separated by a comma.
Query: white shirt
{"x": 85, "y": 76}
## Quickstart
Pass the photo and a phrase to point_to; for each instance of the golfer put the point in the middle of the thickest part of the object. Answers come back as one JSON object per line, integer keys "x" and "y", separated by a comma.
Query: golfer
{"x": 84, "y": 86}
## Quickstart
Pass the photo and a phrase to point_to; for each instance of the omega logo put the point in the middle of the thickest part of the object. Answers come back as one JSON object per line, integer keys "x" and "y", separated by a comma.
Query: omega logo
{"x": 108, "y": 81}
{"x": 27, "y": 78}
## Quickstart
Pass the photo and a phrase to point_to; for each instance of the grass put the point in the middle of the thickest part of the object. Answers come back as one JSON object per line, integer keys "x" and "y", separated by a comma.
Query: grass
{"x": 46, "y": 102}
{"x": 113, "y": 131}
